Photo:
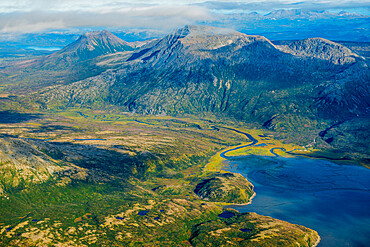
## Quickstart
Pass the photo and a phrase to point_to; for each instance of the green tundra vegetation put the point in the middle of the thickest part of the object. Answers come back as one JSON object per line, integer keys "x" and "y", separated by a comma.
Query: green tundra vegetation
{"x": 93, "y": 178}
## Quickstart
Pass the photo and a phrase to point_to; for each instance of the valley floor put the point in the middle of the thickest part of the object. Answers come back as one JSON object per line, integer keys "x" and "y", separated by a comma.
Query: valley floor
{"x": 97, "y": 178}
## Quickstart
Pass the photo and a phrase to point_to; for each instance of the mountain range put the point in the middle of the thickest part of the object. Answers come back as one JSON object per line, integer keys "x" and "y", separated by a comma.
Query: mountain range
{"x": 293, "y": 24}
{"x": 311, "y": 14}
{"x": 281, "y": 24}
{"x": 201, "y": 69}
{"x": 305, "y": 85}
{"x": 222, "y": 54}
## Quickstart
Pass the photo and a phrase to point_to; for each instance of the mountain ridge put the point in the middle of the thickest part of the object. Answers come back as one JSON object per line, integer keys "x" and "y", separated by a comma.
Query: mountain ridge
{"x": 310, "y": 14}
{"x": 201, "y": 46}
{"x": 323, "y": 49}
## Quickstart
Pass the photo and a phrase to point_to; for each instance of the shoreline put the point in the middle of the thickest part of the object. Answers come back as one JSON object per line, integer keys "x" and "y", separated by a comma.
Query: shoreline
{"x": 221, "y": 166}
{"x": 317, "y": 241}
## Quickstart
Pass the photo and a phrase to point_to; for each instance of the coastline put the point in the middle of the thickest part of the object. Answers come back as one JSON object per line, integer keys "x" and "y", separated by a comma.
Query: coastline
{"x": 317, "y": 241}
{"x": 217, "y": 163}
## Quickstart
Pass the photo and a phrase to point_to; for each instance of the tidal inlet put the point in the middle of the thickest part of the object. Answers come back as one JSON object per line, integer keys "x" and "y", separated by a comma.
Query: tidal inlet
{"x": 195, "y": 123}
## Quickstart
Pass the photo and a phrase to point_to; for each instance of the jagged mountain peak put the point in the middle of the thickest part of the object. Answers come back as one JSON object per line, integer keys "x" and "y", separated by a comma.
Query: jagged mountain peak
{"x": 91, "y": 45}
{"x": 98, "y": 33}
{"x": 104, "y": 36}
{"x": 99, "y": 39}
{"x": 197, "y": 42}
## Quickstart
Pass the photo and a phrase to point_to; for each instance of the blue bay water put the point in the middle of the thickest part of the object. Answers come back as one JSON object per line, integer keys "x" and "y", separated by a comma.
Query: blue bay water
{"x": 331, "y": 198}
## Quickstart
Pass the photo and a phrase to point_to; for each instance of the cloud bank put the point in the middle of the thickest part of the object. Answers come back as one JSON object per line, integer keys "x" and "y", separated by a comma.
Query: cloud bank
{"x": 25, "y": 16}
{"x": 166, "y": 17}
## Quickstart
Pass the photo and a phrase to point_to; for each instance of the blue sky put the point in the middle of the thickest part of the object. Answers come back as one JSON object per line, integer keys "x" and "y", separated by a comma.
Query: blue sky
{"x": 20, "y": 16}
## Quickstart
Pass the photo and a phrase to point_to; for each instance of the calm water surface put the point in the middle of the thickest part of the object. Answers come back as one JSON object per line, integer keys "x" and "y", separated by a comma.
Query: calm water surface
{"x": 333, "y": 199}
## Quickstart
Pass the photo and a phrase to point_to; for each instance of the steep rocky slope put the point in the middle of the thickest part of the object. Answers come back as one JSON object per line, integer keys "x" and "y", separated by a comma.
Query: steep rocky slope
{"x": 322, "y": 49}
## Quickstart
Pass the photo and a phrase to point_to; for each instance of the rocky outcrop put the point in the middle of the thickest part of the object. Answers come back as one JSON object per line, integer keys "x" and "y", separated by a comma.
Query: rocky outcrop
{"x": 22, "y": 163}
{"x": 322, "y": 49}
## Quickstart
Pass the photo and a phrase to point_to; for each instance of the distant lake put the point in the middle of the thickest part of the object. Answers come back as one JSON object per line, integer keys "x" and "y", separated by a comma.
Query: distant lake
{"x": 44, "y": 48}
{"x": 331, "y": 198}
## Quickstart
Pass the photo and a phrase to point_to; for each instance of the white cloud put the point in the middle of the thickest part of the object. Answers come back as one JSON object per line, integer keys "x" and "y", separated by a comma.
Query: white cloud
{"x": 82, "y": 5}
{"x": 163, "y": 17}
{"x": 37, "y": 15}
